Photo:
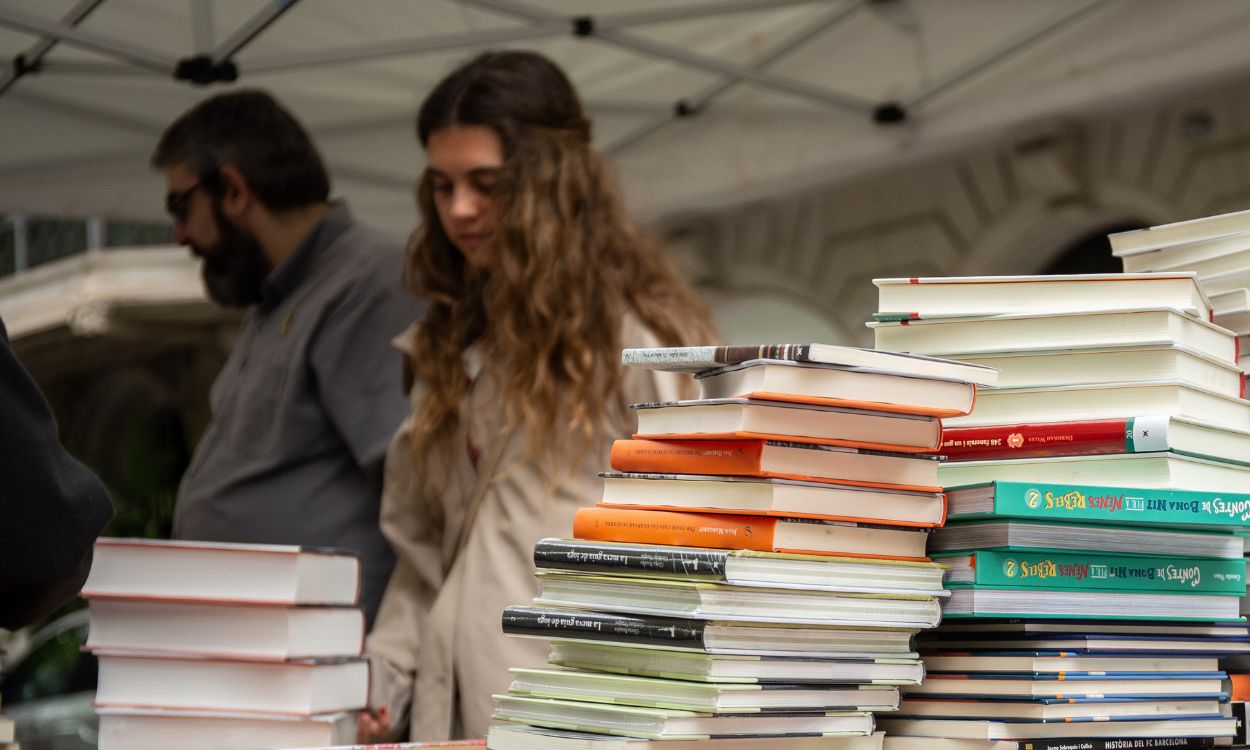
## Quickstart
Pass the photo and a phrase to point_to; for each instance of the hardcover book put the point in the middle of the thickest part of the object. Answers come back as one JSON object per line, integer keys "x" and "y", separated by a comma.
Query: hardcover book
{"x": 1021, "y": 534}
{"x": 960, "y": 296}
{"x": 1154, "y": 470}
{"x": 1061, "y": 686}
{"x": 994, "y": 730}
{"x": 975, "y": 601}
{"x": 515, "y": 737}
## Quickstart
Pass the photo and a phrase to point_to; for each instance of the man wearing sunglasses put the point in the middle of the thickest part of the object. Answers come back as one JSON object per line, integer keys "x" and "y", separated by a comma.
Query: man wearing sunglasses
{"x": 305, "y": 406}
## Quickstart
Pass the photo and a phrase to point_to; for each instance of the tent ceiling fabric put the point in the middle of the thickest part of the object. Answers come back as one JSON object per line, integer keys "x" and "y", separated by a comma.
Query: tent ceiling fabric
{"x": 783, "y": 92}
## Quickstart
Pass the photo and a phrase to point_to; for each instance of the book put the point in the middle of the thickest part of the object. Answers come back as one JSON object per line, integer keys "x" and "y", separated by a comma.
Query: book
{"x": 749, "y": 532}
{"x": 1153, "y": 470}
{"x": 1207, "y": 227}
{"x": 1086, "y": 503}
{"x": 983, "y": 660}
{"x": 1231, "y": 300}
{"x": 961, "y": 296}
{"x": 1055, "y": 686}
{"x": 1080, "y": 743}
{"x": 515, "y": 737}
{"x": 1093, "y": 571}
{"x": 1092, "y": 437}
{"x": 296, "y": 688}
{"x": 1084, "y": 629}
{"x": 777, "y": 459}
{"x": 712, "y": 601}
{"x": 218, "y": 571}
{"x": 1137, "y": 327}
{"x": 1224, "y": 282}
{"x": 775, "y": 497}
{"x": 976, "y": 601}
{"x": 709, "y": 636}
{"x": 661, "y": 723}
{"x": 700, "y": 358}
{"x": 1180, "y": 255}
{"x": 1107, "y": 401}
{"x": 1023, "y": 534}
{"x": 1090, "y": 644}
{"x": 727, "y": 419}
{"x": 683, "y": 695}
{"x": 1019, "y": 730}
{"x": 1217, "y": 264}
{"x": 682, "y": 665}
{"x": 1237, "y": 321}
{"x": 740, "y": 567}
{"x": 1048, "y": 368}
{"x": 154, "y": 729}
{"x": 850, "y": 387}
{"x": 1077, "y": 710}
{"x": 227, "y": 631}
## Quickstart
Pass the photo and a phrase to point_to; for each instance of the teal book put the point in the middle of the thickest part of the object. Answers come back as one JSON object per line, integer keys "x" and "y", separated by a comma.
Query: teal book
{"x": 1091, "y": 504}
{"x": 1085, "y": 571}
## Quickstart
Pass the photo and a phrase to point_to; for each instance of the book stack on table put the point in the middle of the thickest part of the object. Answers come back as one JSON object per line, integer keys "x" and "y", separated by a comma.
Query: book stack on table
{"x": 205, "y": 645}
{"x": 756, "y": 570}
{"x": 1217, "y": 248}
{"x": 1095, "y": 501}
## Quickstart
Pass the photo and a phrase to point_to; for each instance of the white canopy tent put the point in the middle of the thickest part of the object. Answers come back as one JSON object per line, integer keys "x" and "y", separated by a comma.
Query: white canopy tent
{"x": 702, "y": 103}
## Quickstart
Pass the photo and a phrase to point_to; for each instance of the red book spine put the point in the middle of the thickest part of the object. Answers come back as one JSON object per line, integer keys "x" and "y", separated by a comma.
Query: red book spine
{"x": 1089, "y": 438}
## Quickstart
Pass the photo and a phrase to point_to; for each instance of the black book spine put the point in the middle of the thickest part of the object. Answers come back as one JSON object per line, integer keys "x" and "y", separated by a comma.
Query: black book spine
{"x": 628, "y": 559}
{"x": 1118, "y": 743}
{"x": 599, "y": 626}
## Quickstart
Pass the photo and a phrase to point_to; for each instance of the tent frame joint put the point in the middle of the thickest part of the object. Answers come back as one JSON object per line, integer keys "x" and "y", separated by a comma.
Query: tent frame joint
{"x": 584, "y": 26}
{"x": 22, "y": 65}
{"x": 889, "y": 113}
{"x": 202, "y": 70}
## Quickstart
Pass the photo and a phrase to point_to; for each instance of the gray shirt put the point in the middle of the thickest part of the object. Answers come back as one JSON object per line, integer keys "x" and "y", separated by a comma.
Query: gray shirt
{"x": 306, "y": 404}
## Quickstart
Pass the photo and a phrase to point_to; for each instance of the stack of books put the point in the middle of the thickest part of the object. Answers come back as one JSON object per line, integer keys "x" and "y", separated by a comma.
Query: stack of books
{"x": 204, "y": 646}
{"x": 1093, "y": 561}
{"x": 756, "y": 570}
{"x": 1217, "y": 248}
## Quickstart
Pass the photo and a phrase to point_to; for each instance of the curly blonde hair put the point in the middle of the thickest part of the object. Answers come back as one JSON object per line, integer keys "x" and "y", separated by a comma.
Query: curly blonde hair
{"x": 569, "y": 266}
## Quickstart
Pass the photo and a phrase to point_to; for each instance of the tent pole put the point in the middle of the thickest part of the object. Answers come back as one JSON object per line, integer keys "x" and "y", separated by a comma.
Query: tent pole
{"x": 202, "y": 25}
{"x": 33, "y": 57}
{"x": 254, "y": 27}
{"x": 99, "y": 43}
{"x": 1007, "y": 50}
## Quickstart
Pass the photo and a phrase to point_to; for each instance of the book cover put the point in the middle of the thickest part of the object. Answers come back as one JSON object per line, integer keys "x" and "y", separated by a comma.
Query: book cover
{"x": 1040, "y": 439}
{"x": 1053, "y": 571}
{"x": 1094, "y": 504}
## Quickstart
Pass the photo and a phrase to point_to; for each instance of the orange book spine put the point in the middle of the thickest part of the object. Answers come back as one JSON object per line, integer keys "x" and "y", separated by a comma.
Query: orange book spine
{"x": 725, "y": 457}
{"x": 679, "y": 529}
{"x": 1241, "y": 687}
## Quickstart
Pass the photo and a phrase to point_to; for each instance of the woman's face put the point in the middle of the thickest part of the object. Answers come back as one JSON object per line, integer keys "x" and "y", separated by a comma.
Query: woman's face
{"x": 463, "y": 164}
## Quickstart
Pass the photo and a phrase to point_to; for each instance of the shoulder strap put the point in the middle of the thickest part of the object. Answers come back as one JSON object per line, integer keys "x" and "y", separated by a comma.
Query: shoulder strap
{"x": 486, "y": 473}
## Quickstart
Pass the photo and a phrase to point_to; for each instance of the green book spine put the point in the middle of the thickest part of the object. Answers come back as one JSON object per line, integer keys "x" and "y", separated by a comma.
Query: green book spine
{"x": 1075, "y": 571}
{"x": 1118, "y": 505}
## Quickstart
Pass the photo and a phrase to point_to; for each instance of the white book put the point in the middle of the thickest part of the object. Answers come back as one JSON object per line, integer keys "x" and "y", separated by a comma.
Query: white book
{"x": 1237, "y": 321}
{"x": 1007, "y": 333}
{"x": 226, "y": 631}
{"x": 155, "y": 729}
{"x": 1059, "y": 712}
{"x": 983, "y": 602}
{"x": 1145, "y": 470}
{"x": 1225, "y": 282}
{"x": 961, "y": 296}
{"x": 515, "y": 737}
{"x": 1106, "y": 401}
{"x": 1180, "y": 255}
{"x": 299, "y": 688}
{"x": 1008, "y": 533}
{"x": 1202, "y": 228}
{"x": 218, "y": 571}
{"x": 1044, "y": 368}
{"x": 1234, "y": 262}
{"x": 1233, "y": 299}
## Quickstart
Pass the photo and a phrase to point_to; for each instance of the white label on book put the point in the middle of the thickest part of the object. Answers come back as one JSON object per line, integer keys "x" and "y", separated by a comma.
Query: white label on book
{"x": 1150, "y": 434}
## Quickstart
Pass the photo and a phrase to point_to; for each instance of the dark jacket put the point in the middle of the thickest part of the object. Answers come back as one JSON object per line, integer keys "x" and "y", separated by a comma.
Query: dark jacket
{"x": 51, "y": 506}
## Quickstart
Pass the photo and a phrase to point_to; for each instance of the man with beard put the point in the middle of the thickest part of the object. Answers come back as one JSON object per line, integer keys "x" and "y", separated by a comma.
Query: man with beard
{"x": 305, "y": 406}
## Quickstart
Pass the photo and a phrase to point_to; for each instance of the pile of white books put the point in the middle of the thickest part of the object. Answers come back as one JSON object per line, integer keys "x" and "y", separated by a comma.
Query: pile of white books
{"x": 205, "y": 645}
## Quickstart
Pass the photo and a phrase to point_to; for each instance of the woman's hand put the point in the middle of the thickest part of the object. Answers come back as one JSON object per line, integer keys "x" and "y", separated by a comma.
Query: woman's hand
{"x": 372, "y": 727}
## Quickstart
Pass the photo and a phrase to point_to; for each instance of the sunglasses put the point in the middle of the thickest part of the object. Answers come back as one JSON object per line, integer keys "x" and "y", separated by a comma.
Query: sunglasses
{"x": 179, "y": 204}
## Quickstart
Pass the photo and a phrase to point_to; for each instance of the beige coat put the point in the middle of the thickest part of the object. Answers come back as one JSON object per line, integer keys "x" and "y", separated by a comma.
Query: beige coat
{"x": 437, "y": 650}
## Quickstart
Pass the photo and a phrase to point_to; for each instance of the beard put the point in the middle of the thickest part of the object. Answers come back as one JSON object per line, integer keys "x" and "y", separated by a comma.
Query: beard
{"x": 235, "y": 267}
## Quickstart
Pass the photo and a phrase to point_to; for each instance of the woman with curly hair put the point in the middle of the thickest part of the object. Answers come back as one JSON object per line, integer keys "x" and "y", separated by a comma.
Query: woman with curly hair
{"x": 536, "y": 280}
